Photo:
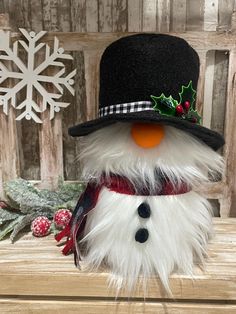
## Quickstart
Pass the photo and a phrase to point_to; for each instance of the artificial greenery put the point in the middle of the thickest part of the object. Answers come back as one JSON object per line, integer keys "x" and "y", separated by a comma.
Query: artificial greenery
{"x": 187, "y": 94}
{"x": 25, "y": 202}
{"x": 165, "y": 105}
{"x": 168, "y": 105}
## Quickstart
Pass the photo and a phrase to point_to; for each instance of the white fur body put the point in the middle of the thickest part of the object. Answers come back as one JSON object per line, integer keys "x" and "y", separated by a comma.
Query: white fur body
{"x": 179, "y": 227}
{"x": 180, "y": 157}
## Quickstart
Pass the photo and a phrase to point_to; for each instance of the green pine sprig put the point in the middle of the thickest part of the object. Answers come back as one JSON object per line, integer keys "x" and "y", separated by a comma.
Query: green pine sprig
{"x": 25, "y": 202}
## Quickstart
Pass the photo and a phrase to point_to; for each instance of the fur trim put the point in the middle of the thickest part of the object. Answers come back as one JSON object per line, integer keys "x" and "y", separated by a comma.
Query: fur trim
{"x": 180, "y": 157}
{"x": 179, "y": 227}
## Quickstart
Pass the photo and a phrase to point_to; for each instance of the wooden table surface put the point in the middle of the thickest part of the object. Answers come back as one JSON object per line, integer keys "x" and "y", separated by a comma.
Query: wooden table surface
{"x": 36, "y": 277}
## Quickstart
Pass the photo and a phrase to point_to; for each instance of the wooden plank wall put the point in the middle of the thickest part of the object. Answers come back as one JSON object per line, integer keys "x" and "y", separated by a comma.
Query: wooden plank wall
{"x": 109, "y": 16}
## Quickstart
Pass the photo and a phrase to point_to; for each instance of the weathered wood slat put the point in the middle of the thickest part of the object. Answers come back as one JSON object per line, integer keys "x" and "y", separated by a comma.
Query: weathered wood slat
{"x": 4, "y": 21}
{"x": 28, "y": 142}
{"x": 230, "y": 136}
{"x": 210, "y": 24}
{"x": 149, "y": 16}
{"x": 69, "y": 116}
{"x": 208, "y": 88}
{"x": 226, "y": 8}
{"x": 91, "y": 61}
{"x": 64, "y": 16}
{"x": 195, "y": 18}
{"x": 134, "y": 15}
{"x": 220, "y": 91}
{"x": 78, "y": 15}
{"x": 210, "y": 15}
{"x": 19, "y": 306}
{"x": 91, "y": 16}
{"x": 80, "y": 41}
{"x": 178, "y": 15}
{"x": 119, "y": 16}
{"x": 163, "y": 16}
{"x": 9, "y": 160}
{"x": 9, "y": 146}
{"x": 105, "y": 15}
{"x": 39, "y": 261}
{"x": 50, "y": 132}
{"x": 54, "y": 282}
{"x": 212, "y": 190}
{"x": 51, "y": 153}
{"x": 201, "y": 81}
{"x": 77, "y": 111}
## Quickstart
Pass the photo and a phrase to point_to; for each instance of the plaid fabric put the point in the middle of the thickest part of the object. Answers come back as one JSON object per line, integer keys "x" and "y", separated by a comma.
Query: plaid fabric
{"x": 88, "y": 201}
{"x": 127, "y": 107}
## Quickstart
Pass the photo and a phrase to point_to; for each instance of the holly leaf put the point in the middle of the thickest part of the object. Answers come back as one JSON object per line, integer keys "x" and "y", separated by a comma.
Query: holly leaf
{"x": 165, "y": 105}
{"x": 188, "y": 94}
{"x": 193, "y": 116}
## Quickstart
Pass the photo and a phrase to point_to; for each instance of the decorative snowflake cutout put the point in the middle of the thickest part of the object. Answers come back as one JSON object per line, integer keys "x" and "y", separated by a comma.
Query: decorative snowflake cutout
{"x": 29, "y": 77}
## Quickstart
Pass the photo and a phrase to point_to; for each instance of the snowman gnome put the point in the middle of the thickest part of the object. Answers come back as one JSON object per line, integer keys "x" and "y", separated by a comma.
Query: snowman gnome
{"x": 143, "y": 157}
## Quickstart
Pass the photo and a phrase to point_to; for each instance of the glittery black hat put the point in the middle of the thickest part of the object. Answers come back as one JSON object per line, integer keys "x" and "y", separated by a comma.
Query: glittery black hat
{"x": 149, "y": 78}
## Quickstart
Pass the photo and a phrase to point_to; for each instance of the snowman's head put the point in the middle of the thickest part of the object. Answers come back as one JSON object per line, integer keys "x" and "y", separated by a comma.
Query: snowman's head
{"x": 144, "y": 153}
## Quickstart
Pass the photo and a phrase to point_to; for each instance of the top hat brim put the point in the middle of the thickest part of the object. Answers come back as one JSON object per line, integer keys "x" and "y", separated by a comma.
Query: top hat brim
{"x": 209, "y": 137}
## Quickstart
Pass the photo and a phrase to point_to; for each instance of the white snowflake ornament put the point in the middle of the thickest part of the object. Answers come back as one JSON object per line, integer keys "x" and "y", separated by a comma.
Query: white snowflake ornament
{"x": 31, "y": 76}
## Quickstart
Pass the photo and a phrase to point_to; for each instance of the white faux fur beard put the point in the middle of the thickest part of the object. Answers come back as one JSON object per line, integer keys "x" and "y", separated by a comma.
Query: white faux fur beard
{"x": 179, "y": 225}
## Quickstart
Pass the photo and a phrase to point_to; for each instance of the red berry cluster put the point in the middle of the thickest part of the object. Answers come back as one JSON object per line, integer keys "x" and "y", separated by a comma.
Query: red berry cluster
{"x": 41, "y": 226}
{"x": 182, "y": 108}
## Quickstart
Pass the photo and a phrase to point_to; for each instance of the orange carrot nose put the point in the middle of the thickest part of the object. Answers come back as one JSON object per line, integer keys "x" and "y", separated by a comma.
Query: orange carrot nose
{"x": 147, "y": 135}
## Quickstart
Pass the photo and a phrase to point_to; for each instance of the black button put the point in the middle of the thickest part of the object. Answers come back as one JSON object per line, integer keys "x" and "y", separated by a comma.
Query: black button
{"x": 144, "y": 210}
{"x": 142, "y": 235}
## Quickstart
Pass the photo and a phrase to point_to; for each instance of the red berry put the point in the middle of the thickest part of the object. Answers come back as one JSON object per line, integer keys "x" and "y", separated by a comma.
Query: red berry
{"x": 40, "y": 226}
{"x": 61, "y": 218}
{"x": 187, "y": 105}
{"x": 179, "y": 109}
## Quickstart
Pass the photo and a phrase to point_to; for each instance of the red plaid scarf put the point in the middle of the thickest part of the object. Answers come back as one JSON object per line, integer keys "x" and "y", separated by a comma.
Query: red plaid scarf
{"x": 88, "y": 201}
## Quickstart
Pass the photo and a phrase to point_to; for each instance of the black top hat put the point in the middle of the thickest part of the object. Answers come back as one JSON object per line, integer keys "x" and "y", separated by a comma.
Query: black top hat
{"x": 149, "y": 78}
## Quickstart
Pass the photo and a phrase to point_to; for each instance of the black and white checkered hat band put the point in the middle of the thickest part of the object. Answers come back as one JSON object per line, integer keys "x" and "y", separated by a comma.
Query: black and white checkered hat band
{"x": 125, "y": 108}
